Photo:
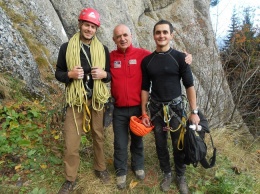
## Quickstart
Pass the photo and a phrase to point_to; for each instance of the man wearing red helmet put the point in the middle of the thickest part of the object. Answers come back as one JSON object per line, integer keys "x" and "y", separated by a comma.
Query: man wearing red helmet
{"x": 83, "y": 65}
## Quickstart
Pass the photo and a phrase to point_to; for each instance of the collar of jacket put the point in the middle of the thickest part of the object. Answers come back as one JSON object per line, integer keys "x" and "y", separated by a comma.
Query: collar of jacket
{"x": 128, "y": 50}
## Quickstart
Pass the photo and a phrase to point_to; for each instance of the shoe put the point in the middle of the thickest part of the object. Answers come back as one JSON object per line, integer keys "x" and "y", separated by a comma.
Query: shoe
{"x": 67, "y": 187}
{"x": 103, "y": 176}
{"x": 140, "y": 174}
{"x": 121, "y": 182}
{"x": 166, "y": 182}
{"x": 182, "y": 184}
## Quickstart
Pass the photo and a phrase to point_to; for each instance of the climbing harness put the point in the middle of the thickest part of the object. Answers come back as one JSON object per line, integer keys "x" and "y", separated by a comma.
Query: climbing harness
{"x": 166, "y": 113}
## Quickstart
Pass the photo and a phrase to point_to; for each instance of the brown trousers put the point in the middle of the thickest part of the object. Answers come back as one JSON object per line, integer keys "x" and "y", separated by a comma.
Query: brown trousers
{"x": 72, "y": 141}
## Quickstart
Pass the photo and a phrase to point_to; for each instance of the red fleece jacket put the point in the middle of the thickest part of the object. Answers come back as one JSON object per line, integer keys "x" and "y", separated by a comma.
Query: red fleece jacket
{"x": 125, "y": 68}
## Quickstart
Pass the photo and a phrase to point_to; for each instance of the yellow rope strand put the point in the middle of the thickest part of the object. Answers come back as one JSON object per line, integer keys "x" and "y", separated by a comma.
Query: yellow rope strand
{"x": 100, "y": 89}
{"x": 76, "y": 94}
{"x": 180, "y": 144}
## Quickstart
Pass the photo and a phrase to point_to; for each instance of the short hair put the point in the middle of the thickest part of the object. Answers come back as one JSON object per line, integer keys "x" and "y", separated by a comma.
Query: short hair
{"x": 163, "y": 22}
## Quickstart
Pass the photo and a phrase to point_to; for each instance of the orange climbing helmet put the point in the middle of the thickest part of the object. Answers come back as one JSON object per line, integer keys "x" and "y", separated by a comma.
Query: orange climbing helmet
{"x": 90, "y": 15}
{"x": 137, "y": 126}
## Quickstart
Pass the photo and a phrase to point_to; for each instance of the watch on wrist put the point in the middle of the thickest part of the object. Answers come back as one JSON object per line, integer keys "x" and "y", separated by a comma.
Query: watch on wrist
{"x": 195, "y": 111}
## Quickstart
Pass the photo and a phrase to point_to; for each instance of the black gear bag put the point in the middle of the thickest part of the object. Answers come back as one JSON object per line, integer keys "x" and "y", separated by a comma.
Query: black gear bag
{"x": 194, "y": 146}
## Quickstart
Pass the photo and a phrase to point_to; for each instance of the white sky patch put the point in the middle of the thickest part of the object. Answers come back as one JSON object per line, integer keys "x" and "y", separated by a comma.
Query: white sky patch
{"x": 222, "y": 13}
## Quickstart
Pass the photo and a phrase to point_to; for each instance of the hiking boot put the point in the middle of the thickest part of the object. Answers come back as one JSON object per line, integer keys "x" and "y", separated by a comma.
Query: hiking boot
{"x": 182, "y": 184}
{"x": 140, "y": 174}
{"x": 103, "y": 176}
{"x": 121, "y": 182}
{"x": 166, "y": 182}
{"x": 67, "y": 187}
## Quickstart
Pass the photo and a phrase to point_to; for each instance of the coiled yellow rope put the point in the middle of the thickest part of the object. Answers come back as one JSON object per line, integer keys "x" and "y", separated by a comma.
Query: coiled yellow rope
{"x": 100, "y": 89}
{"x": 76, "y": 94}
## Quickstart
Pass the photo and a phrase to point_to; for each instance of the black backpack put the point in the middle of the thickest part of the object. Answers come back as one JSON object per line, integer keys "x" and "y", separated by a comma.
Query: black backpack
{"x": 194, "y": 146}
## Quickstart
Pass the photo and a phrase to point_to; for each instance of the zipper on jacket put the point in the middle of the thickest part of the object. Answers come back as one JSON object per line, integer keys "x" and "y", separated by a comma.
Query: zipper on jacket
{"x": 126, "y": 88}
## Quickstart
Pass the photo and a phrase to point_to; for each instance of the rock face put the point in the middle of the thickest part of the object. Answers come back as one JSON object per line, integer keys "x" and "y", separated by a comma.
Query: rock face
{"x": 49, "y": 23}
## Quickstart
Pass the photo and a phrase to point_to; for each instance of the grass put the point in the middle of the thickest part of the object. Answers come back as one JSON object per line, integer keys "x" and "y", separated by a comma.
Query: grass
{"x": 236, "y": 170}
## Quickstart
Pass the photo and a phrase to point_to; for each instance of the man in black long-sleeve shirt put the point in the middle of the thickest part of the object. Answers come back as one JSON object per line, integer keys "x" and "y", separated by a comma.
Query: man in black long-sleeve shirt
{"x": 161, "y": 73}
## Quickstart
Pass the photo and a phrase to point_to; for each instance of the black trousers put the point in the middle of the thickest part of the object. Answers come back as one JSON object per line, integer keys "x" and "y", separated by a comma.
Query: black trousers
{"x": 161, "y": 137}
{"x": 122, "y": 135}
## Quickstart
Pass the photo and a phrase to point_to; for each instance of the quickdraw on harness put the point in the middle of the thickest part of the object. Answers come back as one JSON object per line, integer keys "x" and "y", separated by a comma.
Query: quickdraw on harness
{"x": 168, "y": 113}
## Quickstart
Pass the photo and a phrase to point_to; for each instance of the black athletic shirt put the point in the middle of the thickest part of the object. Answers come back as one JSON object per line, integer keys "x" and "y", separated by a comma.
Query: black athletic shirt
{"x": 162, "y": 73}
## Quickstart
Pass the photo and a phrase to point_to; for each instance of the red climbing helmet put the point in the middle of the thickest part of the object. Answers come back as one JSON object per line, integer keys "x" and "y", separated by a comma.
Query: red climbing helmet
{"x": 90, "y": 15}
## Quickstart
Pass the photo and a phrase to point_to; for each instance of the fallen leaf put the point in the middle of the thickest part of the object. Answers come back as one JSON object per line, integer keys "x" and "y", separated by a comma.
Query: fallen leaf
{"x": 133, "y": 184}
{"x": 26, "y": 171}
{"x": 43, "y": 166}
{"x": 110, "y": 161}
{"x": 19, "y": 166}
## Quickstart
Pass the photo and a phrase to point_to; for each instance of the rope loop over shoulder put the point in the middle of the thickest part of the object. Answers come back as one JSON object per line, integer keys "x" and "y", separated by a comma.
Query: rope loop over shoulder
{"x": 100, "y": 89}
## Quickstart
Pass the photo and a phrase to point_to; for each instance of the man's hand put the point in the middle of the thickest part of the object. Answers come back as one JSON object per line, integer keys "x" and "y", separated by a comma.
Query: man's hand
{"x": 98, "y": 73}
{"x": 188, "y": 58}
{"x": 76, "y": 73}
{"x": 194, "y": 118}
{"x": 146, "y": 122}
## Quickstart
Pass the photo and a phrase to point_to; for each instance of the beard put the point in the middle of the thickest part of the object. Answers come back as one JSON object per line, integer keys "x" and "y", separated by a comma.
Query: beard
{"x": 87, "y": 39}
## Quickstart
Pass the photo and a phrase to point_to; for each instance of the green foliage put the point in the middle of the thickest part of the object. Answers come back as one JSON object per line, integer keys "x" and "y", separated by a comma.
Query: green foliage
{"x": 18, "y": 130}
{"x": 23, "y": 140}
{"x": 226, "y": 180}
{"x": 220, "y": 179}
{"x": 233, "y": 28}
{"x": 38, "y": 191}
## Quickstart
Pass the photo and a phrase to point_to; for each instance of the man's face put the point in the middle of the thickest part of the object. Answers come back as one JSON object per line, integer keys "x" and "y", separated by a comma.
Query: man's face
{"x": 87, "y": 31}
{"x": 122, "y": 37}
{"x": 162, "y": 35}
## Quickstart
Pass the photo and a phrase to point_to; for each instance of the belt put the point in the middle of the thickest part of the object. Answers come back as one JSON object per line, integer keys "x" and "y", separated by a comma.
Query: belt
{"x": 174, "y": 101}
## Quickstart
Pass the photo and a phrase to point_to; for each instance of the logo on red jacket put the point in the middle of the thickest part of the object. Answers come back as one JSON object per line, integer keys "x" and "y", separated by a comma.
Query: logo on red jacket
{"x": 117, "y": 64}
{"x": 132, "y": 62}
